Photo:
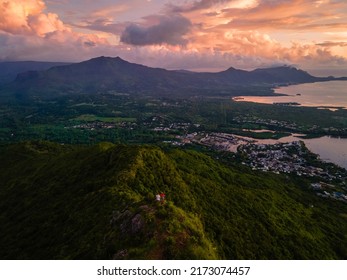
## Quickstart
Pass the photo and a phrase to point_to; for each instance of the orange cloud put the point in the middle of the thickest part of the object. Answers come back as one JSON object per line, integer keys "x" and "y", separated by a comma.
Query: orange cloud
{"x": 249, "y": 28}
{"x": 14, "y": 14}
{"x": 26, "y": 32}
{"x": 110, "y": 11}
{"x": 43, "y": 24}
{"x": 268, "y": 14}
{"x": 27, "y": 17}
{"x": 260, "y": 45}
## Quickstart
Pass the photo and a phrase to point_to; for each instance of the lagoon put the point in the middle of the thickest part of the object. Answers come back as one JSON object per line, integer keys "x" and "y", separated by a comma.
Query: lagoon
{"x": 331, "y": 95}
{"x": 324, "y": 95}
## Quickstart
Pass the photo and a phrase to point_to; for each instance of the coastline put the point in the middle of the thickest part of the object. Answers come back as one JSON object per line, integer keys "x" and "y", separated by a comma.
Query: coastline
{"x": 328, "y": 95}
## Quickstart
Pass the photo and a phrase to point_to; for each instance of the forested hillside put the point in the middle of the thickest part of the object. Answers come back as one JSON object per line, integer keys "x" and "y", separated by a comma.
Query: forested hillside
{"x": 98, "y": 202}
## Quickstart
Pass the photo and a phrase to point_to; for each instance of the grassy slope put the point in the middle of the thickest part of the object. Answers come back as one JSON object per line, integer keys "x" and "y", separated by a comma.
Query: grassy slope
{"x": 90, "y": 203}
{"x": 64, "y": 202}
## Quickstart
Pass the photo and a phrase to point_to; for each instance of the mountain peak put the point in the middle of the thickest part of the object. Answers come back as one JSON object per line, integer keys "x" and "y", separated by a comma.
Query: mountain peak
{"x": 231, "y": 69}
{"x": 287, "y": 72}
{"x": 106, "y": 59}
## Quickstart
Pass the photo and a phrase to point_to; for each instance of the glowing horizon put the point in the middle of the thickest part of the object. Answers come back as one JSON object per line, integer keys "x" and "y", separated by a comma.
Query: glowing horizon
{"x": 193, "y": 35}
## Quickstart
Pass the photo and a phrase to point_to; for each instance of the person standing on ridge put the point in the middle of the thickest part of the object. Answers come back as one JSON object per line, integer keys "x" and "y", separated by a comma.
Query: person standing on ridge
{"x": 162, "y": 197}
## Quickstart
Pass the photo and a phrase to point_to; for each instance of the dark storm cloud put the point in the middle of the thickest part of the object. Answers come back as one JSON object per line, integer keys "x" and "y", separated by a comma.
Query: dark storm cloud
{"x": 89, "y": 44}
{"x": 167, "y": 30}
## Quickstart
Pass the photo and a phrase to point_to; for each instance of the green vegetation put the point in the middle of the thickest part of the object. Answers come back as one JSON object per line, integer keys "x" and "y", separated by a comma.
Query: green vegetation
{"x": 98, "y": 202}
{"x": 91, "y": 118}
{"x": 123, "y": 118}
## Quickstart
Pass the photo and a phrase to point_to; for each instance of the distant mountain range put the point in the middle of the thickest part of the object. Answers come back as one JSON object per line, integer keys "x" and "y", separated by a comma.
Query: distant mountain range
{"x": 9, "y": 70}
{"x": 106, "y": 74}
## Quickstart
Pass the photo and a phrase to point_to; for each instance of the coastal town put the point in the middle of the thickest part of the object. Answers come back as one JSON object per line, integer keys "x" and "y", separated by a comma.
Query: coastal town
{"x": 283, "y": 158}
{"x": 277, "y": 158}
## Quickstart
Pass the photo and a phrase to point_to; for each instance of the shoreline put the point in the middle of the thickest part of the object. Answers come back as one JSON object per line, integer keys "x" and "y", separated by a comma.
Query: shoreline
{"x": 328, "y": 95}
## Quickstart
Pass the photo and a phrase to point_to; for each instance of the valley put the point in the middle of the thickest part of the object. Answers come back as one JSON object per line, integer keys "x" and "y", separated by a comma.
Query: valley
{"x": 82, "y": 160}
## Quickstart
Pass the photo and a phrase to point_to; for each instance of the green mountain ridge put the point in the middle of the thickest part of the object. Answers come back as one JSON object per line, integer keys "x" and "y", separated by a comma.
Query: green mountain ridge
{"x": 98, "y": 202}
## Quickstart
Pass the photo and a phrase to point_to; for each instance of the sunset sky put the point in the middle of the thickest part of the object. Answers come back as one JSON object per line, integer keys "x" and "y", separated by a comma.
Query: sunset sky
{"x": 200, "y": 35}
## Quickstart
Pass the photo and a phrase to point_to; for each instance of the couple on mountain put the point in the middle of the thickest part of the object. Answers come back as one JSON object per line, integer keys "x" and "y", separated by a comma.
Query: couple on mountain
{"x": 160, "y": 197}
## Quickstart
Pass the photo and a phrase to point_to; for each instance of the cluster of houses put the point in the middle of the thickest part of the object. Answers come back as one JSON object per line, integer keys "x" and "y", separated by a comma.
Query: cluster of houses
{"x": 266, "y": 122}
{"x": 175, "y": 126}
{"x": 283, "y": 158}
{"x": 97, "y": 125}
{"x": 220, "y": 141}
{"x": 278, "y": 158}
{"x": 330, "y": 191}
{"x": 159, "y": 123}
